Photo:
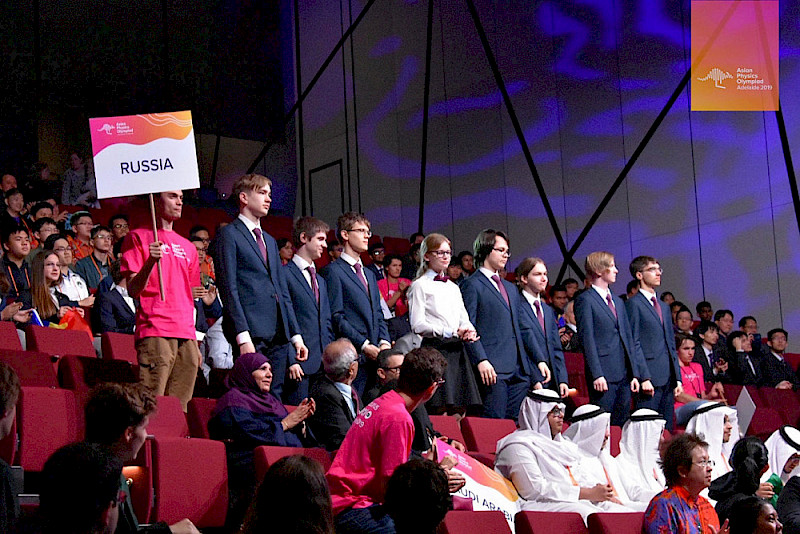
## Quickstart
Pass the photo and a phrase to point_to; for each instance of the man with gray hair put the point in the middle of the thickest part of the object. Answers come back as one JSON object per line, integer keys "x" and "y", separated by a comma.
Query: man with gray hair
{"x": 337, "y": 402}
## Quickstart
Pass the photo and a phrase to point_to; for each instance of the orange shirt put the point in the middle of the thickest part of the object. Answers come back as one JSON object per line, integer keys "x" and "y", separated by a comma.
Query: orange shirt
{"x": 79, "y": 248}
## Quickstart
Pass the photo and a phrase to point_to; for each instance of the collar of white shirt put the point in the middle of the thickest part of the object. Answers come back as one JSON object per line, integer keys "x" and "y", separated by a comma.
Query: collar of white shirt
{"x": 647, "y": 295}
{"x": 531, "y": 299}
{"x": 488, "y": 273}
{"x": 602, "y": 292}
{"x": 430, "y": 274}
{"x": 300, "y": 262}
{"x": 121, "y": 290}
{"x": 779, "y": 356}
{"x": 351, "y": 261}
{"x": 250, "y": 225}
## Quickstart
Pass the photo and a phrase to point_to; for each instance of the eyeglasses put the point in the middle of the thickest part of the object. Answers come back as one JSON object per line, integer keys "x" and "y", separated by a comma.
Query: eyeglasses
{"x": 503, "y": 251}
{"x": 557, "y": 412}
{"x": 653, "y": 270}
{"x": 119, "y": 226}
{"x": 705, "y": 463}
{"x": 84, "y": 224}
{"x": 365, "y": 231}
{"x": 205, "y": 240}
{"x": 395, "y": 368}
{"x": 108, "y": 237}
{"x": 60, "y": 250}
{"x": 442, "y": 253}
{"x": 378, "y": 252}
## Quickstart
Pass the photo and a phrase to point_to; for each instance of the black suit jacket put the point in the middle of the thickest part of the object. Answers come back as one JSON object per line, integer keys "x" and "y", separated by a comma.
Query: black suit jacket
{"x": 775, "y": 371}
{"x": 314, "y": 319}
{"x": 708, "y": 371}
{"x": 332, "y": 418}
{"x": 744, "y": 375}
{"x": 114, "y": 313}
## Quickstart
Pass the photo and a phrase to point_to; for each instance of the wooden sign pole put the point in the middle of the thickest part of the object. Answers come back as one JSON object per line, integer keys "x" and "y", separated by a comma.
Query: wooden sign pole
{"x": 155, "y": 238}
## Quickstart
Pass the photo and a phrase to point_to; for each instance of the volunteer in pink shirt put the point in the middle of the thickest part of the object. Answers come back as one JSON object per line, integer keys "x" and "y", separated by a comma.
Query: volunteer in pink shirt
{"x": 165, "y": 332}
{"x": 378, "y": 441}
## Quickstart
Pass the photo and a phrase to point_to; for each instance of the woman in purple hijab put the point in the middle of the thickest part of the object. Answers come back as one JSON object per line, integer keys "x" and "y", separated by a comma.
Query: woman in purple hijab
{"x": 248, "y": 416}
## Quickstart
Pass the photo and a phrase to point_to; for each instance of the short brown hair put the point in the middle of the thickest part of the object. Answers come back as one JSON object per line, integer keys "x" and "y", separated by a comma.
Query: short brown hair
{"x": 249, "y": 182}
{"x": 421, "y": 368}
{"x": 677, "y": 454}
{"x": 114, "y": 407}
{"x": 310, "y": 226}
{"x": 346, "y": 221}
{"x": 639, "y": 263}
{"x": 9, "y": 387}
{"x": 598, "y": 262}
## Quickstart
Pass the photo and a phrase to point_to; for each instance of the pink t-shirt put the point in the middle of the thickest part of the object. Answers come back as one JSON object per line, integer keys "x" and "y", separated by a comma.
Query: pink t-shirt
{"x": 174, "y": 316}
{"x": 692, "y": 379}
{"x": 387, "y": 290}
{"x": 379, "y": 440}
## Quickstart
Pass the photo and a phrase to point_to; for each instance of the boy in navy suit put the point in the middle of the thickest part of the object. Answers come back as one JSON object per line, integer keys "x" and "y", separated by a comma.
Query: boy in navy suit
{"x": 613, "y": 368}
{"x": 653, "y": 337}
{"x": 258, "y": 315}
{"x": 354, "y": 298}
{"x": 309, "y": 294}
{"x": 505, "y": 369}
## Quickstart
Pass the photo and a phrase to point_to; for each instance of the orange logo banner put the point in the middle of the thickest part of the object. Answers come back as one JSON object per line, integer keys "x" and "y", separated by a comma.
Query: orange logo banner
{"x": 734, "y": 55}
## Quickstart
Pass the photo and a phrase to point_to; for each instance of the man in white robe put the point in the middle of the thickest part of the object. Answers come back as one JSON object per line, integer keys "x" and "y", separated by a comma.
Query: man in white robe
{"x": 783, "y": 447}
{"x": 639, "y": 455}
{"x": 718, "y": 425}
{"x": 546, "y": 468}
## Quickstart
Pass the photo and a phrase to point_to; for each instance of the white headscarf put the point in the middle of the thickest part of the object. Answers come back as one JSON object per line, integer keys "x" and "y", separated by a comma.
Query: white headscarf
{"x": 588, "y": 429}
{"x": 638, "y": 448}
{"x": 781, "y": 445}
{"x": 708, "y": 422}
{"x": 534, "y": 409}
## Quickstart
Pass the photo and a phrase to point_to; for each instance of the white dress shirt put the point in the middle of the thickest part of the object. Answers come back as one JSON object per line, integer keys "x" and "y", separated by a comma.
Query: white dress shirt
{"x": 347, "y": 393}
{"x": 436, "y": 309}
{"x": 73, "y": 286}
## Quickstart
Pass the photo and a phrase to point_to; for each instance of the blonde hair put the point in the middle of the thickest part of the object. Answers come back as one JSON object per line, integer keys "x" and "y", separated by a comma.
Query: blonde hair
{"x": 249, "y": 182}
{"x": 429, "y": 244}
{"x": 598, "y": 262}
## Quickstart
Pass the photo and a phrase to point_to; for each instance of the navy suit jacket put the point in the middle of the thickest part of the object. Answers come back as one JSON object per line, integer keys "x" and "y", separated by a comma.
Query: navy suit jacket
{"x": 247, "y": 286}
{"x": 356, "y": 314}
{"x": 608, "y": 345}
{"x": 654, "y": 340}
{"x": 547, "y": 344}
{"x": 501, "y": 337}
{"x": 314, "y": 319}
{"x": 115, "y": 315}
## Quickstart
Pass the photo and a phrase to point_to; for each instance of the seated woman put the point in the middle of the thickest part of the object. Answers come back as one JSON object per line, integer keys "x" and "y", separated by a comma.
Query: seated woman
{"x": 248, "y": 416}
{"x": 50, "y": 303}
{"x": 749, "y": 463}
{"x": 694, "y": 387}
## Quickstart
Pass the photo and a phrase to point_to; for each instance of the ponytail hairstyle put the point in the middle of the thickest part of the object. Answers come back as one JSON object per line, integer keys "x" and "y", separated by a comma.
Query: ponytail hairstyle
{"x": 431, "y": 243}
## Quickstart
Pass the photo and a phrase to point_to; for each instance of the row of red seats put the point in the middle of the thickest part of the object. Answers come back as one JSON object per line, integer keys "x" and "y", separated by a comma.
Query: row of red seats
{"x": 481, "y": 522}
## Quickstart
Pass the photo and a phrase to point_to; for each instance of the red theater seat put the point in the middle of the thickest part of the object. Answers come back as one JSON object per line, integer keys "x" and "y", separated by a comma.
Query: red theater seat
{"x": 264, "y": 456}
{"x": 59, "y": 342}
{"x": 80, "y": 373}
{"x": 169, "y": 420}
{"x": 482, "y": 435}
{"x": 46, "y": 421}
{"x": 9, "y": 339}
{"x": 793, "y": 359}
{"x": 190, "y": 480}
{"x": 468, "y": 522}
{"x": 610, "y": 523}
{"x": 614, "y": 439}
{"x": 34, "y": 369}
{"x": 396, "y": 245}
{"x": 119, "y": 347}
{"x": 549, "y": 523}
{"x": 765, "y": 422}
{"x": 447, "y": 425}
{"x": 198, "y": 415}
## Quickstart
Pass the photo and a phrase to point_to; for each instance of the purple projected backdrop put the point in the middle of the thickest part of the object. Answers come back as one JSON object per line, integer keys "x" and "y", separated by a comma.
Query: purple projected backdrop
{"x": 709, "y": 196}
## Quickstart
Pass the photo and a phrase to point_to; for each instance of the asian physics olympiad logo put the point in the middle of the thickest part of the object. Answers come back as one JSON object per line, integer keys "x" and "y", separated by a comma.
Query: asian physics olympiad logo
{"x": 119, "y": 128}
{"x": 746, "y": 79}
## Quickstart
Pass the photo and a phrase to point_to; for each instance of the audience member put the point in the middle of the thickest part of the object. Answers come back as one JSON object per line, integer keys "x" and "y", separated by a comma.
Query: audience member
{"x": 394, "y": 292}
{"x": 558, "y": 299}
{"x": 454, "y": 272}
{"x": 784, "y": 457}
{"x": 250, "y": 415}
{"x": 16, "y": 248}
{"x": 747, "y": 366}
{"x": 50, "y": 303}
{"x": 654, "y": 340}
{"x": 712, "y": 357}
{"x": 334, "y": 251}
{"x": 116, "y": 309}
{"x": 752, "y": 515}
{"x": 684, "y": 321}
{"x": 630, "y": 290}
{"x": 120, "y": 227}
{"x": 337, "y": 403}
{"x": 788, "y": 506}
{"x": 80, "y": 186}
{"x": 355, "y": 298}
{"x": 667, "y": 297}
{"x": 199, "y": 234}
{"x": 258, "y": 315}
{"x": 505, "y": 368}
{"x": 570, "y": 340}
{"x": 694, "y": 387}
{"x": 704, "y": 311}
{"x": 309, "y": 294}
{"x": 293, "y": 498}
{"x": 718, "y": 424}
{"x": 724, "y": 320}
{"x": 389, "y": 362}
{"x": 546, "y": 468}
{"x": 117, "y": 416}
{"x": 40, "y": 210}
{"x": 72, "y": 285}
{"x": 9, "y": 395}
{"x": 687, "y": 467}
{"x": 358, "y": 476}
{"x": 439, "y": 316}
{"x": 9, "y": 181}
{"x": 12, "y": 216}
{"x": 43, "y": 228}
{"x": 467, "y": 262}
{"x": 80, "y": 490}
{"x": 417, "y": 497}
{"x": 81, "y": 245}
{"x": 637, "y": 460}
{"x": 674, "y": 308}
{"x": 95, "y": 266}
{"x": 539, "y": 322}
{"x": 748, "y": 461}
{"x": 285, "y": 250}
{"x": 614, "y": 368}
{"x": 778, "y": 373}
{"x": 165, "y": 329}
{"x": 377, "y": 253}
